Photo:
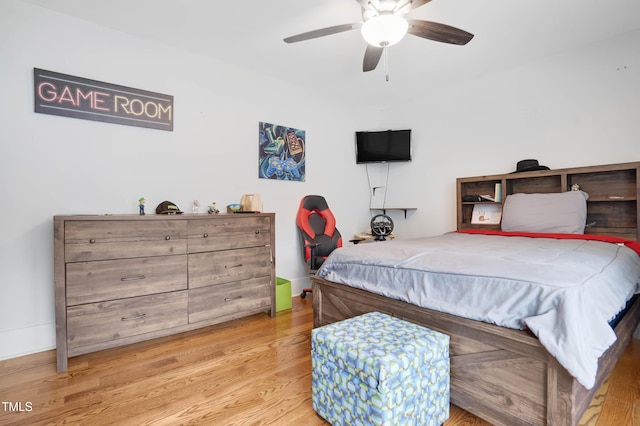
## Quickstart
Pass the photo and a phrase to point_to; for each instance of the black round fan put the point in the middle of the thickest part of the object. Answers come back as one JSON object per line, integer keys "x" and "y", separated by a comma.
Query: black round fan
{"x": 381, "y": 227}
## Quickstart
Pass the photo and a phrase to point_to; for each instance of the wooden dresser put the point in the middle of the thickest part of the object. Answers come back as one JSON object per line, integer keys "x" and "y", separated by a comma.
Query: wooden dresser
{"x": 126, "y": 278}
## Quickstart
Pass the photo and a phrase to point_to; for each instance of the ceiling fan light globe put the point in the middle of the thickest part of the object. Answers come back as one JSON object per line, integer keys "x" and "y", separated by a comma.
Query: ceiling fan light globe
{"x": 384, "y": 30}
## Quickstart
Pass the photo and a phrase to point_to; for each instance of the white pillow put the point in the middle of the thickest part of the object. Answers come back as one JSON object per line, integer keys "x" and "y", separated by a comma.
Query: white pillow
{"x": 563, "y": 213}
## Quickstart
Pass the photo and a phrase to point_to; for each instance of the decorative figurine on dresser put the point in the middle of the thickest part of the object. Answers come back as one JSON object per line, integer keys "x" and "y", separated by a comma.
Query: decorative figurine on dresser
{"x": 141, "y": 205}
{"x": 122, "y": 279}
{"x": 213, "y": 209}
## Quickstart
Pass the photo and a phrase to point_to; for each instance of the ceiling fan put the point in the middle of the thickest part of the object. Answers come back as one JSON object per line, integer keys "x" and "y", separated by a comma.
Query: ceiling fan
{"x": 384, "y": 24}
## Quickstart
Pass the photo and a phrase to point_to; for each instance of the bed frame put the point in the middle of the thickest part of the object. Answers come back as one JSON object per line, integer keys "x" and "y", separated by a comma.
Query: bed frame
{"x": 502, "y": 375}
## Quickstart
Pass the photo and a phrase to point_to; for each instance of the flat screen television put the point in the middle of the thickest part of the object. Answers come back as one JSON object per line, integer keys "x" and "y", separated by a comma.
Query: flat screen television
{"x": 383, "y": 146}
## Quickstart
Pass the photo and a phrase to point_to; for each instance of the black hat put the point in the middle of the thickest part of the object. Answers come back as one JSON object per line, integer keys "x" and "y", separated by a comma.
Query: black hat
{"x": 167, "y": 207}
{"x": 528, "y": 166}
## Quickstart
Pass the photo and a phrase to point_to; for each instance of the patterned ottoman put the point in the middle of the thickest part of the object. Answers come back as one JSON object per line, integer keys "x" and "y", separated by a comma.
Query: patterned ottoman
{"x": 375, "y": 369}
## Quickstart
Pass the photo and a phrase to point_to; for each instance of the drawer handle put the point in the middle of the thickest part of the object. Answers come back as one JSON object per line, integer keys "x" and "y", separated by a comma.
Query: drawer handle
{"x": 233, "y": 266}
{"x": 205, "y": 236}
{"x": 229, "y": 299}
{"x": 167, "y": 238}
{"x": 135, "y": 317}
{"x": 257, "y": 232}
{"x": 92, "y": 241}
{"x": 139, "y": 277}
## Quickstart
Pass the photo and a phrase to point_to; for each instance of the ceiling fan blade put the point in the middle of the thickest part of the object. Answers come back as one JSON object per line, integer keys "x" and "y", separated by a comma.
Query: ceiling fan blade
{"x": 438, "y": 32}
{"x": 371, "y": 57}
{"x": 323, "y": 32}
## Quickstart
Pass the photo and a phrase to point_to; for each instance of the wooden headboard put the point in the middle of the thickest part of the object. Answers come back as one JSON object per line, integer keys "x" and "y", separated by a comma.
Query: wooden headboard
{"x": 613, "y": 207}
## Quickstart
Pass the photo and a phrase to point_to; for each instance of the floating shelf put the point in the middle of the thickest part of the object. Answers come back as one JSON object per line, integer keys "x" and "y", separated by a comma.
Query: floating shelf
{"x": 385, "y": 209}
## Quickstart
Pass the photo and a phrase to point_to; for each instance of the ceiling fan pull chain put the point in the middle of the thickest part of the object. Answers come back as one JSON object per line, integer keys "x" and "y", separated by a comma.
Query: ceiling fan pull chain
{"x": 386, "y": 62}
{"x": 385, "y": 50}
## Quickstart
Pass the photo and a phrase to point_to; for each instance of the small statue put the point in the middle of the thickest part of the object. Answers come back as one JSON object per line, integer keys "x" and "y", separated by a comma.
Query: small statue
{"x": 141, "y": 205}
{"x": 213, "y": 209}
{"x": 195, "y": 206}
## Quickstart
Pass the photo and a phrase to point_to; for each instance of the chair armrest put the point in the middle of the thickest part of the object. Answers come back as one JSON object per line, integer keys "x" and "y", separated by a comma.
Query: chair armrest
{"x": 312, "y": 258}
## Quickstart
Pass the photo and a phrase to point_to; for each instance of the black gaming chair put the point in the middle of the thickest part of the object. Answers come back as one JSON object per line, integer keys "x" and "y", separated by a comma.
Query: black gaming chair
{"x": 317, "y": 231}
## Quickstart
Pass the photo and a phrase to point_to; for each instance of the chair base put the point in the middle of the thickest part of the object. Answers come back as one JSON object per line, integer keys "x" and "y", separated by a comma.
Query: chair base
{"x": 304, "y": 292}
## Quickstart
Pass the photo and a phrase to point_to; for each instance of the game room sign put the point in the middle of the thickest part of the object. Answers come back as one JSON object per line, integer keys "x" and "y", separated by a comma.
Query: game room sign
{"x": 69, "y": 96}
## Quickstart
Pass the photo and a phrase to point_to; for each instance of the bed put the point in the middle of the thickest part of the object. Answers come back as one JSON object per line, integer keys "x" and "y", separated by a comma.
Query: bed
{"x": 506, "y": 367}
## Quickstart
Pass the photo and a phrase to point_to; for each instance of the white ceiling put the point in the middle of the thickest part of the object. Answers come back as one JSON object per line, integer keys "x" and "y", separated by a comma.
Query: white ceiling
{"x": 249, "y": 33}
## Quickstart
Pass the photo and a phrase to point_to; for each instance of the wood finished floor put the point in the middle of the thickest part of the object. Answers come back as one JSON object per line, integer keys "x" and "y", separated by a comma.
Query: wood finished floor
{"x": 253, "y": 371}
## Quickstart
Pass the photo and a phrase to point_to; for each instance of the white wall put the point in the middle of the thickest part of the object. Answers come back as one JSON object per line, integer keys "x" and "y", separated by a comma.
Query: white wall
{"x": 56, "y": 165}
{"x": 571, "y": 110}
{"x": 574, "y": 109}
{"x": 580, "y": 108}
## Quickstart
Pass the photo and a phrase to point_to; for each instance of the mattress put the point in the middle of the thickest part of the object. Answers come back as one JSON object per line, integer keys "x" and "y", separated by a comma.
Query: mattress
{"x": 564, "y": 290}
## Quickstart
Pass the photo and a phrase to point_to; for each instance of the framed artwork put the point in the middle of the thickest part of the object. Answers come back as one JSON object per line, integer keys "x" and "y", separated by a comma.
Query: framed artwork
{"x": 281, "y": 152}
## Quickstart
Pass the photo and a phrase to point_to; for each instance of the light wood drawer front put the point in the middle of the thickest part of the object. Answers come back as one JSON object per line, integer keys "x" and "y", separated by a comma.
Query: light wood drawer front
{"x": 109, "y": 321}
{"x": 229, "y": 233}
{"x": 92, "y": 240}
{"x": 220, "y": 267}
{"x": 97, "y": 281}
{"x": 226, "y": 299}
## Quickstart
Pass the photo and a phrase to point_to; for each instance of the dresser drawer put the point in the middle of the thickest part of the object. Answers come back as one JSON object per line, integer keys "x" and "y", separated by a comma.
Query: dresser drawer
{"x": 217, "y": 301}
{"x": 109, "y": 321}
{"x": 220, "y": 267}
{"x": 230, "y": 232}
{"x": 97, "y": 281}
{"x": 93, "y": 240}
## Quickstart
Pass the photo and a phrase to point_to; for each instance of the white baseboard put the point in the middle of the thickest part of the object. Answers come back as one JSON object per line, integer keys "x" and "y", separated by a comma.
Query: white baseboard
{"x": 29, "y": 340}
{"x": 297, "y": 284}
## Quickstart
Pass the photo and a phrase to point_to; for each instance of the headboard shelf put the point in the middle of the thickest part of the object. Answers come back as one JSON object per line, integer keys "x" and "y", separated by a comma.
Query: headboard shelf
{"x": 614, "y": 194}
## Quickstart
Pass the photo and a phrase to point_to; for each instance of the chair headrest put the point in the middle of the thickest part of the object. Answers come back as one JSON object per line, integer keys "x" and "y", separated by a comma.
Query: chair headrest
{"x": 311, "y": 204}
